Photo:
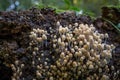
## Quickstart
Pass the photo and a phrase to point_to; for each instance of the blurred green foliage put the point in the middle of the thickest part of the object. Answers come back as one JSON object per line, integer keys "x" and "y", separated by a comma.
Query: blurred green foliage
{"x": 4, "y": 4}
{"x": 89, "y": 7}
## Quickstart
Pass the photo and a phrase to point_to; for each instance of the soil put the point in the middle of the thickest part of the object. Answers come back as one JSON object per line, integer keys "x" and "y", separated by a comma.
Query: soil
{"x": 15, "y": 28}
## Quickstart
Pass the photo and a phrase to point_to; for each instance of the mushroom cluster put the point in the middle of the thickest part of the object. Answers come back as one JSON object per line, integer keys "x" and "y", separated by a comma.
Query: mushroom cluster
{"x": 17, "y": 70}
{"x": 43, "y": 45}
{"x": 76, "y": 51}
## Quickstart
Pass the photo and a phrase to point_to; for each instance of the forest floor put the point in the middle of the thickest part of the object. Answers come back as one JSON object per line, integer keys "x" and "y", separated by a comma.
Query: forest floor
{"x": 15, "y": 27}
